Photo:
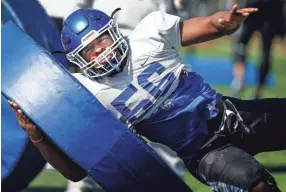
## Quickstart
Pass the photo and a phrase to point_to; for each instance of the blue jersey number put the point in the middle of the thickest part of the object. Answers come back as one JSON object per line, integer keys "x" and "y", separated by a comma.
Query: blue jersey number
{"x": 156, "y": 91}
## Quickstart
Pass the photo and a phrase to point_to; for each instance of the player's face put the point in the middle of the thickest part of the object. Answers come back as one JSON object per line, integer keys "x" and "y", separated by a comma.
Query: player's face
{"x": 96, "y": 47}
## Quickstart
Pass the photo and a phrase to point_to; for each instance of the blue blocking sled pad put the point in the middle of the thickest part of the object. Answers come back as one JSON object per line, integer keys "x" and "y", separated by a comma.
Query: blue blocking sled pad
{"x": 43, "y": 29}
{"x": 21, "y": 161}
{"x": 73, "y": 119}
{"x": 11, "y": 135}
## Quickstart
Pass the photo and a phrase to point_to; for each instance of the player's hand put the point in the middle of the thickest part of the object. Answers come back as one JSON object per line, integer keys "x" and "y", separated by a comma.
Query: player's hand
{"x": 235, "y": 17}
{"x": 28, "y": 126}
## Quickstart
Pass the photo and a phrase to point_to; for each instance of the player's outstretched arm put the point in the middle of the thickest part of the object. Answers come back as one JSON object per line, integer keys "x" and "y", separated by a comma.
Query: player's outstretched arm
{"x": 51, "y": 152}
{"x": 201, "y": 29}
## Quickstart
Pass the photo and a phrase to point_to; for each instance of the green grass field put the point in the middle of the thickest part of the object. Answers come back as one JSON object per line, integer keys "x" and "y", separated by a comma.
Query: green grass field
{"x": 49, "y": 181}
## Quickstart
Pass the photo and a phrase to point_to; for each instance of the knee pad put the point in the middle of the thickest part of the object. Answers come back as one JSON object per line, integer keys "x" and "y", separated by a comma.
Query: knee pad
{"x": 233, "y": 169}
{"x": 249, "y": 180}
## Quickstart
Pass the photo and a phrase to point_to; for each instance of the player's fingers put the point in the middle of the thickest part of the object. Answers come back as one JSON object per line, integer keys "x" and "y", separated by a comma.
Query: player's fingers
{"x": 15, "y": 106}
{"x": 11, "y": 103}
{"x": 234, "y": 9}
{"x": 245, "y": 14}
{"x": 27, "y": 120}
{"x": 20, "y": 115}
{"x": 248, "y": 10}
{"x": 23, "y": 120}
{"x": 20, "y": 112}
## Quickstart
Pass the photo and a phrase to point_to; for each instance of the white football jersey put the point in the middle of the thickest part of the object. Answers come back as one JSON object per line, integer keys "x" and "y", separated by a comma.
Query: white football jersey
{"x": 150, "y": 75}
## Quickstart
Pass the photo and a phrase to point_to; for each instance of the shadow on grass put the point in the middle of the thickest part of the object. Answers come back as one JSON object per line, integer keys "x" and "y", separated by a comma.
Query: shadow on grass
{"x": 44, "y": 189}
{"x": 47, "y": 189}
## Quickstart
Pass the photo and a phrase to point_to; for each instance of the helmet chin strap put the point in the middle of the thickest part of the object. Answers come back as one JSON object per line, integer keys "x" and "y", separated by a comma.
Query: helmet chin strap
{"x": 124, "y": 62}
{"x": 114, "y": 65}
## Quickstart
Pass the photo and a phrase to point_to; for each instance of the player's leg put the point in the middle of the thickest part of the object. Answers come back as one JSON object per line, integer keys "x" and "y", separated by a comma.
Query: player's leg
{"x": 229, "y": 168}
{"x": 267, "y": 117}
{"x": 240, "y": 53}
{"x": 267, "y": 35}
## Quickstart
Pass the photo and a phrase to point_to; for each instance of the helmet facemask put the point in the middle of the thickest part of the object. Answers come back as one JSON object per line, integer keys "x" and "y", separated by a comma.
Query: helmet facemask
{"x": 112, "y": 56}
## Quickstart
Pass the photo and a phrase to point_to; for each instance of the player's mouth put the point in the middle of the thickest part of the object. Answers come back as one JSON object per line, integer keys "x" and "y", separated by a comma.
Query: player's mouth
{"x": 101, "y": 60}
{"x": 105, "y": 60}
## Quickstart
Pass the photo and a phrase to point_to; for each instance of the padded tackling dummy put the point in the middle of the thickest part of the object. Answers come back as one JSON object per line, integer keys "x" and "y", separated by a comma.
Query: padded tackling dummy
{"x": 32, "y": 18}
{"x": 21, "y": 161}
{"x": 77, "y": 123}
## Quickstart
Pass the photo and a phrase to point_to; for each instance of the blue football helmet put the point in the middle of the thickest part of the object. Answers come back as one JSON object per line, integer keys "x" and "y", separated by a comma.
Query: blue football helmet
{"x": 80, "y": 29}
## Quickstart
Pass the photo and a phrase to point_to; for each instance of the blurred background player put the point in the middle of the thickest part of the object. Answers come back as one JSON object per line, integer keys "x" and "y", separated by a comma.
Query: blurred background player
{"x": 59, "y": 10}
{"x": 269, "y": 21}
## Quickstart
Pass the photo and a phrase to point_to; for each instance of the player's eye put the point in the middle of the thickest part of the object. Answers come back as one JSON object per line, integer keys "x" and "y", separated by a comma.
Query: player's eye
{"x": 102, "y": 38}
{"x": 87, "y": 52}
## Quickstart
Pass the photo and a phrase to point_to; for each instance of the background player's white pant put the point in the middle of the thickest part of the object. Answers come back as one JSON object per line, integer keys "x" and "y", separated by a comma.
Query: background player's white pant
{"x": 85, "y": 185}
{"x": 170, "y": 157}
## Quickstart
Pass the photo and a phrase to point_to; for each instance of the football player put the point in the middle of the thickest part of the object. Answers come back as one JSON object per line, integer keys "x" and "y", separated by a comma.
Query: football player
{"x": 145, "y": 83}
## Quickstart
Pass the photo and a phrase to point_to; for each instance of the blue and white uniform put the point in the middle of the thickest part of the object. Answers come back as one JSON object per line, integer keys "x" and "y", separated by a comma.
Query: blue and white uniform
{"x": 151, "y": 93}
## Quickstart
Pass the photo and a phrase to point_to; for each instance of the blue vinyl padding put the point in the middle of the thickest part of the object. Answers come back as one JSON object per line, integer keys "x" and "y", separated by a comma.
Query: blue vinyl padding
{"x": 218, "y": 70}
{"x": 32, "y": 18}
{"x": 20, "y": 160}
{"x": 18, "y": 154}
{"x": 143, "y": 170}
{"x": 12, "y": 137}
{"x": 77, "y": 123}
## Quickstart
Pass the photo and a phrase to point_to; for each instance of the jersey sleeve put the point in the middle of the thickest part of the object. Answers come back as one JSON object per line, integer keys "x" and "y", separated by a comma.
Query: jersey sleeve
{"x": 169, "y": 28}
{"x": 161, "y": 28}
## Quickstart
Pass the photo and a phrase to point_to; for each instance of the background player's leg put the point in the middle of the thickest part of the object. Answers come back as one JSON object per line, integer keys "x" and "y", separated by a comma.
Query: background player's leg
{"x": 240, "y": 54}
{"x": 267, "y": 35}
